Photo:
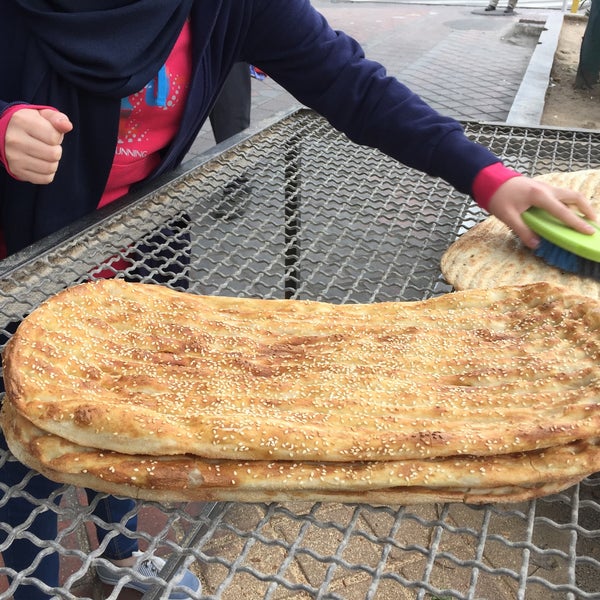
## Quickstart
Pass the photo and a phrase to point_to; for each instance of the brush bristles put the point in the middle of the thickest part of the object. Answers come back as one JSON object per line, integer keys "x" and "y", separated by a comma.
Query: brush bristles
{"x": 567, "y": 261}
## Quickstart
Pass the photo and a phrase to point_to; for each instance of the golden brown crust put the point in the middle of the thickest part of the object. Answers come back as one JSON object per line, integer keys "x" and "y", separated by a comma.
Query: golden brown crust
{"x": 139, "y": 368}
{"x": 507, "y": 478}
{"x": 490, "y": 255}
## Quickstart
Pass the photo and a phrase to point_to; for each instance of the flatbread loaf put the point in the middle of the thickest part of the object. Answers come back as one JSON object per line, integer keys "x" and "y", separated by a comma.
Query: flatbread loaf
{"x": 491, "y": 255}
{"x": 475, "y": 480}
{"x": 139, "y": 368}
{"x": 477, "y": 396}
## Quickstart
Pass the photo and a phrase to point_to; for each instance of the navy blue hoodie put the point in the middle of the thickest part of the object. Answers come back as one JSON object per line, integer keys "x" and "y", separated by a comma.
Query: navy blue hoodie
{"x": 83, "y": 57}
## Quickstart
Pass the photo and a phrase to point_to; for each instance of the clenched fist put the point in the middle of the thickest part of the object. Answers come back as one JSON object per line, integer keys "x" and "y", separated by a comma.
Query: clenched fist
{"x": 33, "y": 143}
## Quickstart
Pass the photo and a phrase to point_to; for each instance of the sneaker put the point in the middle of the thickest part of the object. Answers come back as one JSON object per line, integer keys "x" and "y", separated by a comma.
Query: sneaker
{"x": 490, "y": 8}
{"x": 509, "y": 10}
{"x": 149, "y": 567}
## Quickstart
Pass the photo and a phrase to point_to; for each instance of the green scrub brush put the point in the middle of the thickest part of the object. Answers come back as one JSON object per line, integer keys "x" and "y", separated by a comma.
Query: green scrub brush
{"x": 563, "y": 247}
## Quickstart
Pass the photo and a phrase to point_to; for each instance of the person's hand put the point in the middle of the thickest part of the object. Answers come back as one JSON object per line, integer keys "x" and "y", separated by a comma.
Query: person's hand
{"x": 518, "y": 194}
{"x": 33, "y": 143}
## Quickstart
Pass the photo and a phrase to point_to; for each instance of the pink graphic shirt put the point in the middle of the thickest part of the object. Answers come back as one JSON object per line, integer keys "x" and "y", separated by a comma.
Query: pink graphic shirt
{"x": 149, "y": 121}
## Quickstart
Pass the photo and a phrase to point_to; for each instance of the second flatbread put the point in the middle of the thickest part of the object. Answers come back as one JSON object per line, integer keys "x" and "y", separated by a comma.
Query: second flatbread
{"x": 490, "y": 254}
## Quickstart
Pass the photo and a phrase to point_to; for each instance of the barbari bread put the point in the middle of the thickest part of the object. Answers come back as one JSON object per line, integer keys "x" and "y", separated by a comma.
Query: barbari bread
{"x": 142, "y": 369}
{"x": 491, "y": 255}
{"x": 512, "y": 477}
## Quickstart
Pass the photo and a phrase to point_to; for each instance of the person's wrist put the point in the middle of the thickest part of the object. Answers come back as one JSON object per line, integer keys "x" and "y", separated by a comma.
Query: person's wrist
{"x": 5, "y": 118}
{"x": 488, "y": 180}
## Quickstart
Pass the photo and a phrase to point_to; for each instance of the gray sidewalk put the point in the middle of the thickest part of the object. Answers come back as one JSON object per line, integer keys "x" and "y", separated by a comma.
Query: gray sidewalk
{"x": 465, "y": 63}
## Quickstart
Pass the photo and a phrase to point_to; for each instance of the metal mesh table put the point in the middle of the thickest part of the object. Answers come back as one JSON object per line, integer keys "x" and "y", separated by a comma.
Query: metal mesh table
{"x": 296, "y": 210}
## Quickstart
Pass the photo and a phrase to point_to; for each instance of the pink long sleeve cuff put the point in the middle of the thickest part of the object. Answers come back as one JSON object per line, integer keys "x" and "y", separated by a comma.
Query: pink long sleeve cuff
{"x": 488, "y": 180}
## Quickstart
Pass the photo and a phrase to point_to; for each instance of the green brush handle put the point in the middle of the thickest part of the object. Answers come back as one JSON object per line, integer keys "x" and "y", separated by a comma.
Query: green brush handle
{"x": 555, "y": 231}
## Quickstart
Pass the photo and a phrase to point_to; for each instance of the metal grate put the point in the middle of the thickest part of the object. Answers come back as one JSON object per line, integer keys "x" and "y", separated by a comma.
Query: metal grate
{"x": 296, "y": 210}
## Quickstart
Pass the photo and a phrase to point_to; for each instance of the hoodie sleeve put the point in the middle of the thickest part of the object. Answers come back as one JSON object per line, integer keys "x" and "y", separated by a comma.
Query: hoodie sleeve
{"x": 327, "y": 71}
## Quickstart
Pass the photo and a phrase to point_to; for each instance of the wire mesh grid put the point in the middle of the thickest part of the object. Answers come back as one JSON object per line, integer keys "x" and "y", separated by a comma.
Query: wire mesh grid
{"x": 296, "y": 210}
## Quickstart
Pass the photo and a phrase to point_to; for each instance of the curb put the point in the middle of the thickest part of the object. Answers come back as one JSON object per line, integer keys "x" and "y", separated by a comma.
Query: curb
{"x": 528, "y": 106}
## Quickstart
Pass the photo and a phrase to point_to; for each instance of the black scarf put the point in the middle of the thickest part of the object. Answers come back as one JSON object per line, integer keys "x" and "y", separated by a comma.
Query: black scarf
{"x": 107, "y": 47}
{"x": 82, "y": 57}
